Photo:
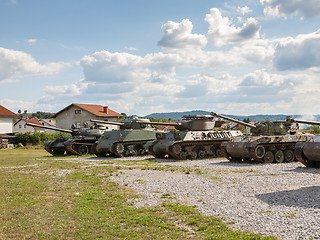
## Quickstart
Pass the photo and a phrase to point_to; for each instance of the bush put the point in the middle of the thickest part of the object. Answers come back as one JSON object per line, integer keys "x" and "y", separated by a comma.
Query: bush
{"x": 35, "y": 138}
{"x": 315, "y": 129}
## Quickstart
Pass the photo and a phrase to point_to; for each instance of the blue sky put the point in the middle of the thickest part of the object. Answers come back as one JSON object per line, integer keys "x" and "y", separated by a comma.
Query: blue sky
{"x": 140, "y": 57}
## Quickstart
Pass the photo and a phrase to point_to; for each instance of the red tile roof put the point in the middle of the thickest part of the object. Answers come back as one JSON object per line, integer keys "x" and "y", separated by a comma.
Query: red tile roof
{"x": 5, "y": 112}
{"x": 97, "y": 110}
{"x": 32, "y": 120}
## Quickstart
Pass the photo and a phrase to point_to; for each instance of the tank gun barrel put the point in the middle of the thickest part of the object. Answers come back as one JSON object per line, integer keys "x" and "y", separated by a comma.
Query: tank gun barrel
{"x": 106, "y": 122}
{"x": 160, "y": 123}
{"x": 50, "y": 128}
{"x": 307, "y": 122}
{"x": 233, "y": 120}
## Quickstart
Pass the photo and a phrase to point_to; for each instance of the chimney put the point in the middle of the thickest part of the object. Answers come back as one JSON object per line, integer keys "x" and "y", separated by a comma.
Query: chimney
{"x": 106, "y": 109}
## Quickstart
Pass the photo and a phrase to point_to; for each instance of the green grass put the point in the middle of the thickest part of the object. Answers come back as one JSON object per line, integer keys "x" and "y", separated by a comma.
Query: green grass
{"x": 45, "y": 198}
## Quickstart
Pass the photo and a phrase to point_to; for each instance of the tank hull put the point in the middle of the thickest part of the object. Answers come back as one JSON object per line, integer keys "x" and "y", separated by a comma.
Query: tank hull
{"x": 308, "y": 153}
{"x": 191, "y": 144}
{"x": 128, "y": 142}
{"x": 264, "y": 149}
{"x": 71, "y": 145}
{"x": 56, "y": 146}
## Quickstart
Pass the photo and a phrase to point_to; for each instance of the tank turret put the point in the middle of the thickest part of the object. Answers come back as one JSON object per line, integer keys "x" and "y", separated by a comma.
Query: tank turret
{"x": 132, "y": 139}
{"x": 194, "y": 139}
{"x": 128, "y": 123}
{"x": 269, "y": 142}
{"x": 79, "y": 143}
{"x": 192, "y": 123}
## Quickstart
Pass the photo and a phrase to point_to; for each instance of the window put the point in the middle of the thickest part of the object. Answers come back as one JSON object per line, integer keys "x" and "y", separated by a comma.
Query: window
{"x": 19, "y": 126}
{"x": 78, "y": 111}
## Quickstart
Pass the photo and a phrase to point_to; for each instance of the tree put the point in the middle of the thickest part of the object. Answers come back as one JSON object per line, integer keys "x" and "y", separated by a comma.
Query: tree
{"x": 19, "y": 111}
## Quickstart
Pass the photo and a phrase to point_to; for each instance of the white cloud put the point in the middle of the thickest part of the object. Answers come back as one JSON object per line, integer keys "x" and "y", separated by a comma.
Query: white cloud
{"x": 222, "y": 30}
{"x": 177, "y": 36}
{"x": 263, "y": 78}
{"x": 67, "y": 90}
{"x": 284, "y": 8}
{"x": 32, "y": 41}
{"x": 15, "y": 105}
{"x": 16, "y": 64}
{"x": 244, "y": 10}
{"x": 298, "y": 53}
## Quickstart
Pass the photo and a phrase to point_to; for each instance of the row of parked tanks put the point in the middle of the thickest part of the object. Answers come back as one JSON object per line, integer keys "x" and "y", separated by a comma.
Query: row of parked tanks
{"x": 194, "y": 138}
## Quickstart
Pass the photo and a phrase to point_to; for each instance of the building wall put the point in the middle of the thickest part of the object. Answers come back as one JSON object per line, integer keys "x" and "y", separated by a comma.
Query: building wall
{"x": 6, "y": 125}
{"x": 45, "y": 122}
{"x": 75, "y": 116}
{"x": 21, "y": 127}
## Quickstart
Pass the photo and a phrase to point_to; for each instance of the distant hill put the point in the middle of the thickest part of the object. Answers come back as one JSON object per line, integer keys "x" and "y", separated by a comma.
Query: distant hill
{"x": 253, "y": 118}
{"x": 176, "y": 115}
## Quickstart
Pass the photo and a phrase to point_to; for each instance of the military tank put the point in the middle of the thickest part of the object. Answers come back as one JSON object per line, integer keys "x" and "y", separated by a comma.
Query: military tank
{"x": 79, "y": 143}
{"x": 194, "y": 138}
{"x": 308, "y": 152}
{"x": 132, "y": 139}
{"x": 269, "y": 142}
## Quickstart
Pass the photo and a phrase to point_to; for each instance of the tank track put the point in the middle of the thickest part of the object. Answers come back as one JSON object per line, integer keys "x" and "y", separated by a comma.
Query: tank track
{"x": 195, "y": 150}
{"x": 80, "y": 147}
{"x": 125, "y": 149}
{"x": 265, "y": 153}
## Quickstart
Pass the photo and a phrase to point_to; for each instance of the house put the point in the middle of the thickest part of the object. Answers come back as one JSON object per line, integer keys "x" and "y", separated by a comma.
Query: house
{"x": 6, "y": 120}
{"x": 78, "y": 115}
{"x": 48, "y": 123}
{"x": 21, "y": 127}
{"x": 6, "y": 128}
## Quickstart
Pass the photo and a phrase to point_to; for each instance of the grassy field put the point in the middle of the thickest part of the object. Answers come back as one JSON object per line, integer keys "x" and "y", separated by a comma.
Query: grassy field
{"x": 46, "y": 197}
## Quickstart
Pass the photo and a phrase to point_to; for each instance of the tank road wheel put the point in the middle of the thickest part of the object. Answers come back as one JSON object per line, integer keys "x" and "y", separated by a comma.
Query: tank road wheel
{"x": 183, "y": 155}
{"x": 289, "y": 156}
{"x": 83, "y": 149}
{"x": 260, "y": 151}
{"x": 118, "y": 149}
{"x": 219, "y": 153}
{"x": 141, "y": 152}
{"x": 279, "y": 156}
{"x": 133, "y": 152}
{"x": 176, "y": 149}
{"x": 202, "y": 153}
{"x": 193, "y": 155}
{"x": 268, "y": 157}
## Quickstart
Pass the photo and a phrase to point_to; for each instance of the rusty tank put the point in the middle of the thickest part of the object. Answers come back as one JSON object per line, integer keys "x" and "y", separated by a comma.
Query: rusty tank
{"x": 194, "y": 138}
{"x": 269, "y": 142}
{"x": 79, "y": 143}
{"x": 132, "y": 139}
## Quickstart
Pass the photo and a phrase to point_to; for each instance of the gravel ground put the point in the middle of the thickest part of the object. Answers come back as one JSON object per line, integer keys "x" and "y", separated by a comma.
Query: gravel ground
{"x": 282, "y": 200}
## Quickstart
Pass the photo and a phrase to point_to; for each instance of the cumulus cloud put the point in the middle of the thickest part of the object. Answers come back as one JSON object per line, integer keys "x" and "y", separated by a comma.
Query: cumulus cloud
{"x": 222, "y": 30}
{"x": 177, "y": 36}
{"x": 283, "y": 8}
{"x": 15, "y": 64}
{"x": 201, "y": 85}
{"x": 298, "y": 53}
{"x": 262, "y": 78}
{"x": 15, "y": 105}
{"x": 68, "y": 90}
{"x": 244, "y": 10}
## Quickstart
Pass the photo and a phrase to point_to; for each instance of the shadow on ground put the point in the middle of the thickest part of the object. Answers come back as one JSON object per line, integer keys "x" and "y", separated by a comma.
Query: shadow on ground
{"x": 306, "y": 197}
